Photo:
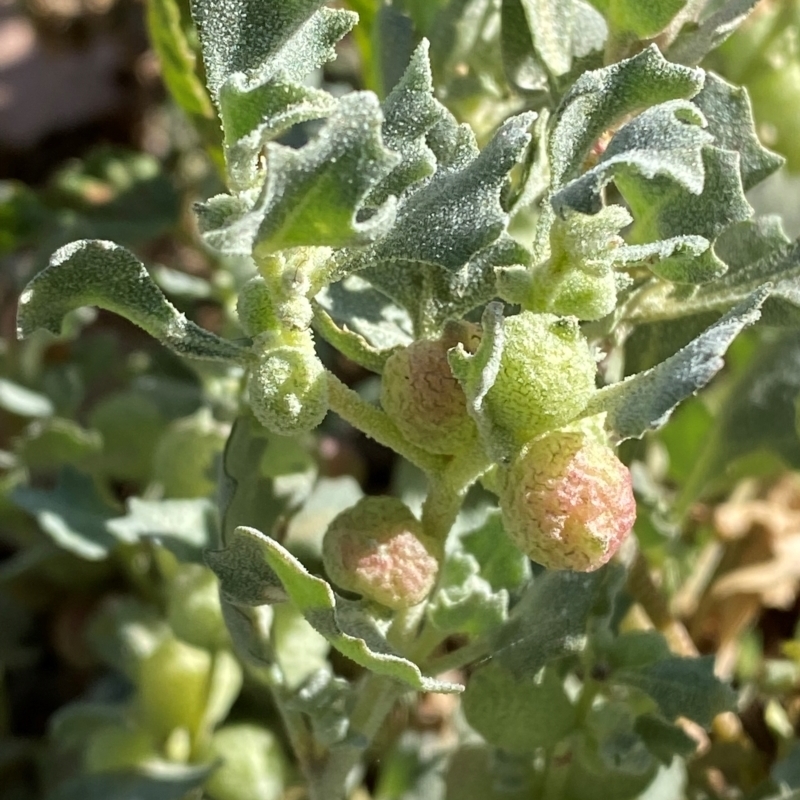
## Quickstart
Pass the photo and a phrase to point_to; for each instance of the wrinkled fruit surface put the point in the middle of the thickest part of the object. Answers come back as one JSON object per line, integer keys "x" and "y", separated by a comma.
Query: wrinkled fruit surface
{"x": 424, "y": 400}
{"x": 546, "y": 377}
{"x": 567, "y": 501}
{"x": 377, "y": 549}
{"x": 288, "y": 390}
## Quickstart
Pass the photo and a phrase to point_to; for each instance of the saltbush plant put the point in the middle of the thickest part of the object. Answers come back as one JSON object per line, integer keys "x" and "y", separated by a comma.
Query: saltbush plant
{"x": 494, "y": 229}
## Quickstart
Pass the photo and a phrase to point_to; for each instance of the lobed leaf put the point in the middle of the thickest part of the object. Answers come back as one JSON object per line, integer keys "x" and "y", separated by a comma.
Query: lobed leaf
{"x": 730, "y": 121}
{"x": 600, "y": 98}
{"x": 311, "y": 196}
{"x": 79, "y": 275}
{"x": 644, "y": 401}
{"x": 344, "y": 624}
{"x": 695, "y": 42}
{"x": 666, "y": 140}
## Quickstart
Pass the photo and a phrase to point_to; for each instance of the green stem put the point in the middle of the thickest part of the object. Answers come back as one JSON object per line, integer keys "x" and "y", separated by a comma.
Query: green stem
{"x": 376, "y": 424}
{"x": 447, "y": 491}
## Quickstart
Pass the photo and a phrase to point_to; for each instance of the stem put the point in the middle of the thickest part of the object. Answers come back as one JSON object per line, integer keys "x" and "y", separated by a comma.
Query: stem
{"x": 376, "y": 424}
{"x": 446, "y": 495}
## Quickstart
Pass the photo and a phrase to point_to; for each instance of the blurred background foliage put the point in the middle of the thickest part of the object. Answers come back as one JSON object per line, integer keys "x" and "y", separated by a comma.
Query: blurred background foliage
{"x": 111, "y": 635}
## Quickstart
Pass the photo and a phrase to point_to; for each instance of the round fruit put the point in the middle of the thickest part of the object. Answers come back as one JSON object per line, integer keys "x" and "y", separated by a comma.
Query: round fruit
{"x": 288, "y": 388}
{"x": 377, "y": 549}
{"x": 567, "y": 501}
{"x": 421, "y": 395}
{"x": 546, "y": 376}
{"x": 193, "y": 608}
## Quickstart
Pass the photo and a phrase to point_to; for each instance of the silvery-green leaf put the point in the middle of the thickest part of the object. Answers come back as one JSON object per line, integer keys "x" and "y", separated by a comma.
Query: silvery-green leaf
{"x": 601, "y": 97}
{"x": 695, "y": 42}
{"x": 433, "y": 295}
{"x": 354, "y": 305}
{"x": 644, "y": 401}
{"x": 778, "y": 264}
{"x": 457, "y": 212}
{"x": 311, "y": 196}
{"x": 666, "y": 140}
{"x": 409, "y": 112}
{"x": 681, "y": 259}
{"x": 346, "y": 625}
{"x": 730, "y": 121}
{"x": 663, "y": 208}
{"x": 108, "y": 276}
{"x": 184, "y": 527}
{"x": 257, "y": 107}
{"x": 550, "y": 621}
{"x": 480, "y": 570}
{"x": 72, "y": 514}
{"x": 682, "y": 687}
{"x": 242, "y": 37}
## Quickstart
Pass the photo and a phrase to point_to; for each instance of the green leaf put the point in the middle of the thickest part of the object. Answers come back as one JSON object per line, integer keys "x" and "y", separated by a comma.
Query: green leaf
{"x": 644, "y": 401}
{"x": 521, "y": 64}
{"x": 666, "y": 140}
{"x": 299, "y": 650}
{"x": 311, "y": 196}
{"x": 78, "y": 275}
{"x": 663, "y": 208}
{"x": 695, "y": 42}
{"x": 730, "y": 121}
{"x": 608, "y": 759}
{"x": 23, "y": 402}
{"x": 600, "y": 98}
{"x": 362, "y": 310}
{"x": 756, "y": 417}
{"x": 256, "y": 107}
{"x": 184, "y": 527}
{"x": 345, "y": 625}
{"x": 54, "y": 442}
{"x": 663, "y": 739}
{"x": 518, "y": 715}
{"x": 550, "y": 621}
{"x": 112, "y": 193}
{"x": 409, "y": 111}
{"x": 177, "y": 58}
{"x": 163, "y": 782}
{"x": 645, "y": 20}
{"x": 480, "y": 570}
{"x": 477, "y": 772}
{"x": 72, "y": 514}
{"x": 682, "y": 687}
{"x": 264, "y": 476}
{"x": 458, "y": 212}
{"x": 550, "y": 23}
